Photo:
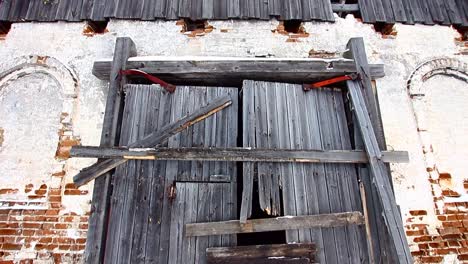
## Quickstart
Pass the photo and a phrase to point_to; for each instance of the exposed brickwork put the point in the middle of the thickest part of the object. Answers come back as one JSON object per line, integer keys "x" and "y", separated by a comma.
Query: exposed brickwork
{"x": 293, "y": 35}
{"x": 42, "y": 229}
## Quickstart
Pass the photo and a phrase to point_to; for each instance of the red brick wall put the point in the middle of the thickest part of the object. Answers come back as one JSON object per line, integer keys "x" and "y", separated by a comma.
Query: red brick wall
{"x": 449, "y": 236}
{"x": 42, "y": 228}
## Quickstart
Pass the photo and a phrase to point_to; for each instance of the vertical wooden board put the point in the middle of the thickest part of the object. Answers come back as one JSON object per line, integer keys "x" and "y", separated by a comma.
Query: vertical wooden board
{"x": 177, "y": 224}
{"x": 287, "y": 179}
{"x": 170, "y": 177}
{"x": 203, "y": 210}
{"x": 120, "y": 179}
{"x": 272, "y": 137}
{"x": 351, "y": 184}
{"x": 233, "y": 9}
{"x": 333, "y": 181}
{"x": 191, "y": 206}
{"x": 215, "y": 212}
{"x": 157, "y": 187}
{"x": 295, "y": 100}
{"x": 207, "y": 10}
{"x": 453, "y": 12}
{"x": 317, "y": 194}
{"x": 135, "y": 176}
{"x": 198, "y": 135}
{"x": 366, "y": 11}
{"x": 264, "y": 180}
{"x": 142, "y": 211}
{"x": 248, "y": 140}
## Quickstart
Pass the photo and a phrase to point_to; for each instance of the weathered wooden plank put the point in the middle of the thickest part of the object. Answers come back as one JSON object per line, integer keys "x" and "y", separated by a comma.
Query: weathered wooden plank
{"x": 287, "y": 183}
{"x": 123, "y": 182}
{"x": 274, "y": 224}
{"x": 382, "y": 248}
{"x": 295, "y": 102}
{"x": 193, "y": 68}
{"x": 391, "y": 212}
{"x": 236, "y": 154}
{"x": 261, "y": 134}
{"x": 255, "y": 253}
{"x": 352, "y": 200}
{"x": 156, "y": 138}
{"x": 95, "y": 243}
{"x": 157, "y": 187}
{"x": 334, "y": 186}
{"x": 248, "y": 140}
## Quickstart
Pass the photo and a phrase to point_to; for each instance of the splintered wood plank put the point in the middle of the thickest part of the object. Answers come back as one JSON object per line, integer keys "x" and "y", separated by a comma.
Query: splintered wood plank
{"x": 309, "y": 120}
{"x": 274, "y": 224}
{"x": 261, "y": 134}
{"x": 287, "y": 183}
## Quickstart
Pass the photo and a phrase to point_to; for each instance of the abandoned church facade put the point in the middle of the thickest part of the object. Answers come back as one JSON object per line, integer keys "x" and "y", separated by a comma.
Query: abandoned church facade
{"x": 303, "y": 131}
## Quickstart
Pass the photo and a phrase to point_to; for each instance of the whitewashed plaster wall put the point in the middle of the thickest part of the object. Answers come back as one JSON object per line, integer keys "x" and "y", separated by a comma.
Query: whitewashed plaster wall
{"x": 66, "y": 43}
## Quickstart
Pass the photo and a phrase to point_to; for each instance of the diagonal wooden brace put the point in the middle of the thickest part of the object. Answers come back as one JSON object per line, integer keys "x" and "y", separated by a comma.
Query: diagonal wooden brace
{"x": 391, "y": 213}
{"x": 154, "y": 139}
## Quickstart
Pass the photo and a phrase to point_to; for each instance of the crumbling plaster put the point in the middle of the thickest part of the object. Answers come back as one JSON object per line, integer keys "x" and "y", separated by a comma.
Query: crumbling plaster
{"x": 401, "y": 54}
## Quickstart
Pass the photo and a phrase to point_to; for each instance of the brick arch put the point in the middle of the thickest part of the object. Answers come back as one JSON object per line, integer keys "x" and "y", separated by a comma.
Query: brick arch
{"x": 447, "y": 237}
{"x": 440, "y": 66}
{"x": 67, "y": 82}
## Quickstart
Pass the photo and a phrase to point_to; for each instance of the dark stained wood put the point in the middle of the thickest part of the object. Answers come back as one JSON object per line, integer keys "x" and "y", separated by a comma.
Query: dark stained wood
{"x": 380, "y": 173}
{"x": 156, "y": 138}
{"x": 95, "y": 243}
{"x": 262, "y": 253}
{"x": 197, "y": 69}
{"x": 235, "y": 154}
{"x": 274, "y": 224}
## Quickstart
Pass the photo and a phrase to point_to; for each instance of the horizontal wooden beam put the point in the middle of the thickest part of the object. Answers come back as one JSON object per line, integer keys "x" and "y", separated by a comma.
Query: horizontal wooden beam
{"x": 274, "y": 224}
{"x": 288, "y": 253}
{"x": 347, "y": 8}
{"x": 235, "y": 154}
{"x": 231, "y": 71}
{"x": 155, "y": 138}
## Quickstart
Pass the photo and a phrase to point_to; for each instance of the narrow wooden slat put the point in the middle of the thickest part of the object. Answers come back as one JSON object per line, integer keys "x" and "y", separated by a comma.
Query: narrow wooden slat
{"x": 391, "y": 212}
{"x": 248, "y": 141}
{"x": 157, "y": 137}
{"x": 287, "y": 183}
{"x": 273, "y": 224}
{"x": 158, "y": 187}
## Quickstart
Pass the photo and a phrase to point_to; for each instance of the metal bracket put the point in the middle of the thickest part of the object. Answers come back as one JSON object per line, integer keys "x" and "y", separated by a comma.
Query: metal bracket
{"x": 352, "y": 76}
{"x": 169, "y": 87}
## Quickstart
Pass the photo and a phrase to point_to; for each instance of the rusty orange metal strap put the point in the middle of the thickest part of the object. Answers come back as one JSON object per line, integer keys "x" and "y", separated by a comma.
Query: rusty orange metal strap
{"x": 324, "y": 83}
{"x": 169, "y": 87}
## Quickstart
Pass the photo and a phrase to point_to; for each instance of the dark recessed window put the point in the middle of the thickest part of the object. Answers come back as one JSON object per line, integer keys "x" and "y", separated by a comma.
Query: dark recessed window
{"x": 193, "y": 25}
{"x": 4, "y": 27}
{"x": 293, "y": 26}
{"x": 95, "y": 27}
